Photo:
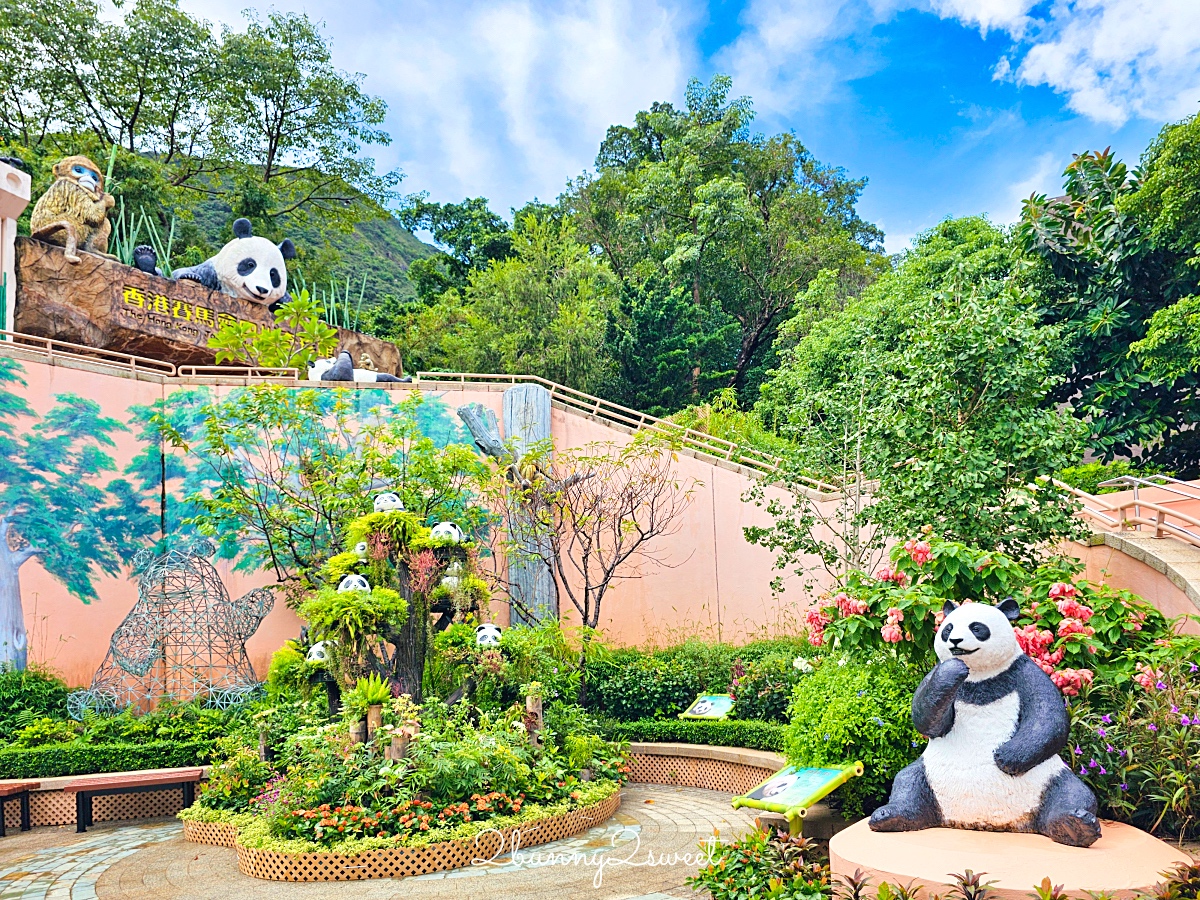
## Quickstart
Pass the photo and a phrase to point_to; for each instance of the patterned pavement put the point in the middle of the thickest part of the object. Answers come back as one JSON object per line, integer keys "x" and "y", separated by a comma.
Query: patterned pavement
{"x": 645, "y": 852}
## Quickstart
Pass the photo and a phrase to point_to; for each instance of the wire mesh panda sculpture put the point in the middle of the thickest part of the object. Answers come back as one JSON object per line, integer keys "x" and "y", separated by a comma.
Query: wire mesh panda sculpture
{"x": 184, "y": 638}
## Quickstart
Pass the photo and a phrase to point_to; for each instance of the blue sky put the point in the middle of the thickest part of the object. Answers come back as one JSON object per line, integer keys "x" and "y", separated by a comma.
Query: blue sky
{"x": 948, "y": 107}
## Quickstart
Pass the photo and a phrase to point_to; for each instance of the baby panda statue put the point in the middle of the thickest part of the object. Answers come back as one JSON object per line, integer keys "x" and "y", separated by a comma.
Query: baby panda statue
{"x": 995, "y": 723}
{"x": 341, "y": 368}
{"x": 248, "y": 267}
{"x": 487, "y": 635}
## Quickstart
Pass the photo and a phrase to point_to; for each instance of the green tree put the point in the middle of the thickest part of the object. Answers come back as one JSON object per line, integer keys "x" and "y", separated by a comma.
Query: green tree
{"x": 54, "y": 504}
{"x": 298, "y": 124}
{"x": 937, "y": 384}
{"x": 301, "y": 336}
{"x": 1110, "y": 254}
{"x": 654, "y": 339}
{"x": 742, "y": 221}
{"x": 473, "y": 236}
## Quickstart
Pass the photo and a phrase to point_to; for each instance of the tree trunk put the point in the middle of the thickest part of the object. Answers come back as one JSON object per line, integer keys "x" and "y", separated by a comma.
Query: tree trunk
{"x": 13, "y": 640}
{"x": 408, "y": 665}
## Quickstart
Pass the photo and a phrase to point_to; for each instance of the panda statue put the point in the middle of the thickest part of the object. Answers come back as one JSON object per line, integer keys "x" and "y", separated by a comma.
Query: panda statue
{"x": 995, "y": 723}
{"x": 388, "y": 502}
{"x": 353, "y": 583}
{"x": 248, "y": 267}
{"x": 360, "y": 549}
{"x": 447, "y": 531}
{"x": 487, "y": 635}
{"x": 342, "y": 368}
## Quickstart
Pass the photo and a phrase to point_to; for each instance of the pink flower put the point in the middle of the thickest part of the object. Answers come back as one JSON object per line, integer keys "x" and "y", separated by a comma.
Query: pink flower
{"x": 920, "y": 551}
{"x": 892, "y": 633}
{"x": 1069, "y": 626}
{"x": 1070, "y": 681}
{"x": 895, "y": 616}
{"x": 938, "y": 618}
{"x": 1062, "y": 589}
{"x": 1072, "y": 608}
{"x": 889, "y": 574}
{"x": 1148, "y": 677}
{"x": 816, "y": 620}
{"x": 848, "y": 606}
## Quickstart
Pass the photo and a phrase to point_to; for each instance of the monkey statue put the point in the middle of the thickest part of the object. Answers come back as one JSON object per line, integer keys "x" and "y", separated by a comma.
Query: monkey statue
{"x": 73, "y": 213}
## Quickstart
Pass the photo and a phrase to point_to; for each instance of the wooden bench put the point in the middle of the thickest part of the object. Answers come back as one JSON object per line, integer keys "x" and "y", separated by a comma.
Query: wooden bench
{"x": 17, "y": 790}
{"x": 90, "y": 786}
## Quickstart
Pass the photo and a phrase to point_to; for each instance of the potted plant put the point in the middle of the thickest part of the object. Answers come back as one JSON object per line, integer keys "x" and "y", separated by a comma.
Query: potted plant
{"x": 365, "y": 700}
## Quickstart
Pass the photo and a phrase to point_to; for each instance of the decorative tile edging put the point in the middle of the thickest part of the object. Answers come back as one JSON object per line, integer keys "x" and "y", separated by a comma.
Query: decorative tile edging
{"x": 216, "y": 834}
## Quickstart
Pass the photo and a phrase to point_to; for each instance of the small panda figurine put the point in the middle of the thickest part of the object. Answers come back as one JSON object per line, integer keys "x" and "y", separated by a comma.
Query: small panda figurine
{"x": 360, "y": 549}
{"x": 248, "y": 267}
{"x": 342, "y": 368}
{"x": 353, "y": 583}
{"x": 318, "y": 652}
{"x": 447, "y": 531}
{"x": 995, "y": 723}
{"x": 388, "y": 502}
{"x": 487, "y": 635}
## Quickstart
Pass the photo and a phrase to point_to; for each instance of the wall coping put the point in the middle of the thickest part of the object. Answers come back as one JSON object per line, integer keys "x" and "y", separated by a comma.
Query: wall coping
{"x": 760, "y": 759}
{"x": 1178, "y": 561}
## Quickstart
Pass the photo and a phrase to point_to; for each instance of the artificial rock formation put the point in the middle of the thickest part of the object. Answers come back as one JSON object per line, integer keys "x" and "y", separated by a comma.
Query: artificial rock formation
{"x": 101, "y": 303}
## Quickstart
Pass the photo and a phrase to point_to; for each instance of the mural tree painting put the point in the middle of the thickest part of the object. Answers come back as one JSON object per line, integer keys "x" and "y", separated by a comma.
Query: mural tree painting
{"x": 53, "y": 505}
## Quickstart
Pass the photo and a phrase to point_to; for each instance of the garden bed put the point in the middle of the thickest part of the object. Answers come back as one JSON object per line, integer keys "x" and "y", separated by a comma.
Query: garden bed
{"x": 399, "y": 862}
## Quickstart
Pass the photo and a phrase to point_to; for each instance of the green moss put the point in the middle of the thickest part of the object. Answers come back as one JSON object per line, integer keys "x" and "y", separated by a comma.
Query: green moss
{"x": 198, "y": 813}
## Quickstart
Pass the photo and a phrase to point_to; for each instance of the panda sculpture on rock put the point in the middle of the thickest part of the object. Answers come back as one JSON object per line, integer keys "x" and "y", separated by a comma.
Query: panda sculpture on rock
{"x": 248, "y": 267}
{"x": 995, "y": 723}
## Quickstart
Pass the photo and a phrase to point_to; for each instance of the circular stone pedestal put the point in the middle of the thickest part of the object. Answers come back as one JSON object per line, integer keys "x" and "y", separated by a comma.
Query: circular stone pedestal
{"x": 1123, "y": 862}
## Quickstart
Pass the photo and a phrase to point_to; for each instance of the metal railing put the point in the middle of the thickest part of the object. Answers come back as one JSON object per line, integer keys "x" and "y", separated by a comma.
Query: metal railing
{"x": 264, "y": 372}
{"x": 1138, "y": 514}
{"x": 51, "y": 348}
{"x": 605, "y": 410}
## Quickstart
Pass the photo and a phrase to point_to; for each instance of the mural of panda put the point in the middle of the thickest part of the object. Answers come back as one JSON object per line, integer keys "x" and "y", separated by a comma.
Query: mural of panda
{"x": 996, "y": 723}
{"x": 248, "y": 267}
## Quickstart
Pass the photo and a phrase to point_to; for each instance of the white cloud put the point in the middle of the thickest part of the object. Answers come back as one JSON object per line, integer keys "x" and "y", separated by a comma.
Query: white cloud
{"x": 1113, "y": 59}
{"x": 509, "y": 98}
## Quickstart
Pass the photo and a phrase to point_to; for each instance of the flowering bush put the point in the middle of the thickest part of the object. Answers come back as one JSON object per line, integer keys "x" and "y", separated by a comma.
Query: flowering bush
{"x": 762, "y": 689}
{"x": 236, "y": 782}
{"x": 1137, "y": 743}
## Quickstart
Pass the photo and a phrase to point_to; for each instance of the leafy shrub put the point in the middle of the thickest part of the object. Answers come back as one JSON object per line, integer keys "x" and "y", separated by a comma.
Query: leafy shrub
{"x": 1087, "y": 477}
{"x": 29, "y": 694}
{"x": 236, "y": 781}
{"x": 850, "y": 710}
{"x": 730, "y": 733}
{"x": 1136, "y": 741}
{"x": 711, "y": 663}
{"x": 763, "y": 689}
{"x": 764, "y": 864}
{"x": 44, "y": 731}
{"x": 633, "y": 686}
{"x": 54, "y": 760}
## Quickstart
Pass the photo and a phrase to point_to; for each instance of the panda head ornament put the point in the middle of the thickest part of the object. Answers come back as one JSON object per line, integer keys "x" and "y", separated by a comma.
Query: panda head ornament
{"x": 979, "y": 634}
{"x": 388, "y": 502}
{"x": 249, "y": 267}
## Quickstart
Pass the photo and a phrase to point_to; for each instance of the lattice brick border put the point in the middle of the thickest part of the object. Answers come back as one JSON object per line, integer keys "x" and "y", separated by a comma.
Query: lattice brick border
{"x": 216, "y": 834}
{"x": 691, "y": 771}
{"x": 399, "y": 862}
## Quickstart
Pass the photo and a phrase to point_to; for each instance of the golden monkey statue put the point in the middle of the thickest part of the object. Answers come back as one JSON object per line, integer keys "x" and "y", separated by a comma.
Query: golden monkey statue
{"x": 73, "y": 213}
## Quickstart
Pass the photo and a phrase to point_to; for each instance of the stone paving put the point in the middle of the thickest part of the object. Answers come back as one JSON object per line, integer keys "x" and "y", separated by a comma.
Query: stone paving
{"x": 645, "y": 852}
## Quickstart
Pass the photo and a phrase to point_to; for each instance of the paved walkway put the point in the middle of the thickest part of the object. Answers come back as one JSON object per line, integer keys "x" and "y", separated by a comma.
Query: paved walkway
{"x": 645, "y": 852}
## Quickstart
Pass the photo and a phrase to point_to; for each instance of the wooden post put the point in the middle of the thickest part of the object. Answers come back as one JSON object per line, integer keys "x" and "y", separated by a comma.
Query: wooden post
{"x": 374, "y": 720}
{"x": 533, "y": 716}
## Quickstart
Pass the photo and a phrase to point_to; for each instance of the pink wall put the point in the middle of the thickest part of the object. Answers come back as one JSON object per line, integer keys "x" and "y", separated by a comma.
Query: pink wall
{"x": 716, "y": 585}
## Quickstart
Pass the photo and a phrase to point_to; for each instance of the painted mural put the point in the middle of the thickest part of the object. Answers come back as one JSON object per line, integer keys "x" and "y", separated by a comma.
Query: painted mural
{"x": 87, "y": 480}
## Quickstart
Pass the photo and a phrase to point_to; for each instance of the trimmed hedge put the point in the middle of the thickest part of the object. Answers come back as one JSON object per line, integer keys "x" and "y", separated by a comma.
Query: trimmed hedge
{"x": 56, "y": 760}
{"x": 733, "y": 733}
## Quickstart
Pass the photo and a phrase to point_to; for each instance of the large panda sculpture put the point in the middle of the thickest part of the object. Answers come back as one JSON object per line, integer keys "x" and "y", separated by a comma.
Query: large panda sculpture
{"x": 995, "y": 723}
{"x": 341, "y": 368}
{"x": 248, "y": 267}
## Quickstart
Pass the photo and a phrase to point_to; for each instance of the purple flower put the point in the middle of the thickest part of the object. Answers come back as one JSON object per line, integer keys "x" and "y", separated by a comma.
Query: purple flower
{"x": 1110, "y": 748}
{"x": 1152, "y": 727}
{"x": 1193, "y": 669}
{"x": 1160, "y": 685}
{"x": 1092, "y": 763}
{"x": 1101, "y": 732}
{"x": 1078, "y": 750}
{"x": 1121, "y": 754}
{"x": 1174, "y": 709}
{"x": 1124, "y": 787}
{"x": 1082, "y": 770}
{"x": 1184, "y": 720}
{"x": 1103, "y": 771}
{"x": 1107, "y": 720}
